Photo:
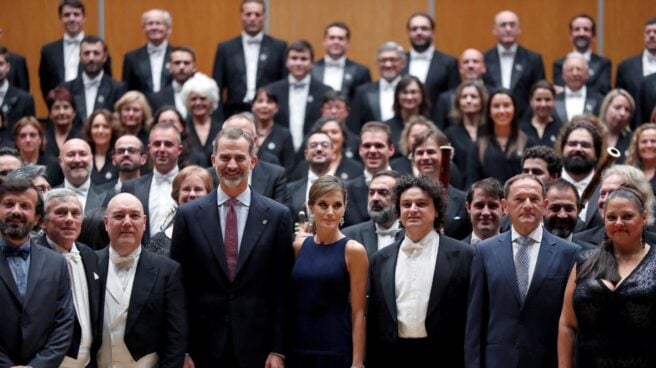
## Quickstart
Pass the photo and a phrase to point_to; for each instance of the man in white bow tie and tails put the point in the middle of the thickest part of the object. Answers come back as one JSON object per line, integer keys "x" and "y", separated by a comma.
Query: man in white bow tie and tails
{"x": 418, "y": 285}
{"x": 61, "y": 224}
{"x": 577, "y": 98}
{"x": 144, "y": 319}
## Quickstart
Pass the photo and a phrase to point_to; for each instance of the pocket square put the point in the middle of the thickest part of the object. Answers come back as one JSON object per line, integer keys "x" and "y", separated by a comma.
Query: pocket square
{"x": 95, "y": 276}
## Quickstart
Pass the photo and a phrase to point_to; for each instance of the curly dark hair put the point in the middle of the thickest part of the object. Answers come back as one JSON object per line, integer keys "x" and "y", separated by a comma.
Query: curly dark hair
{"x": 428, "y": 186}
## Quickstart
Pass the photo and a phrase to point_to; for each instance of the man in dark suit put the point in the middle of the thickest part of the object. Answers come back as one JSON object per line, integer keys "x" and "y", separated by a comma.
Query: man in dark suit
{"x": 76, "y": 162}
{"x": 152, "y": 330}
{"x": 527, "y": 268}
{"x": 249, "y": 61}
{"x": 14, "y": 102}
{"x": 60, "y": 59}
{"x": 374, "y": 101}
{"x": 631, "y": 71}
{"x": 577, "y": 98}
{"x": 335, "y": 69}
{"x": 418, "y": 286}
{"x": 61, "y": 225}
{"x": 237, "y": 262}
{"x": 510, "y": 65}
{"x": 154, "y": 189}
{"x": 583, "y": 30}
{"x": 93, "y": 89}
{"x": 128, "y": 156}
{"x": 647, "y": 98}
{"x": 436, "y": 70}
{"x": 37, "y": 324}
{"x": 18, "y": 75}
{"x": 483, "y": 204}
{"x": 182, "y": 66}
{"x": 146, "y": 69}
{"x": 383, "y": 229}
{"x": 299, "y": 95}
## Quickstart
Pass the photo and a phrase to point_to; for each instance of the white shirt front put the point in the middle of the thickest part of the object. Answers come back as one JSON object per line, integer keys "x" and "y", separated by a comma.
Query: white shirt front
{"x": 72, "y": 55}
{"x": 580, "y": 187}
{"x": 389, "y": 236}
{"x": 420, "y": 63}
{"x": 241, "y": 208}
{"x": 506, "y": 60}
{"x": 251, "y": 55}
{"x": 157, "y": 55}
{"x": 413, "y": 282}
{"x": 387, "y": 97}
{"x": 575, "y": 101}
{"x": 160, "y": 202}
{"x": 3, "y": 91}
{"x": 533, "y": 250}
{"x": 81, "y": 192}
{"x": 80, "y": 292}
{"x": 91, "y": 86}
{"x": 648, "y": 63}
{"x": 298, "y": 98}
{"x": 333, "y": 72}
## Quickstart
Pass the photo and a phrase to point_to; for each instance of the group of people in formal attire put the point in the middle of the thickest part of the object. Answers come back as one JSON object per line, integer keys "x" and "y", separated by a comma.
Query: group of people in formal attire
{"x": 287, "y": 212}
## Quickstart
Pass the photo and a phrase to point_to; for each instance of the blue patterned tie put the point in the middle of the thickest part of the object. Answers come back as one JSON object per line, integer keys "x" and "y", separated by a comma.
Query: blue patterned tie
{"x": 521, "y": 265}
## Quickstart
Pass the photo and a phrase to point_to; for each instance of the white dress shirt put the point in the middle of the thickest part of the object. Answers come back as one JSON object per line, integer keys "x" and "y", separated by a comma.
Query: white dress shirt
{"x": 251, "y": 55}
{"x": 580, "y": 187}
{"x": 420, "y": 63}
{"x": 157, "y": 56}
{"x": 387, "y": 97}
{"x": 80, "y": 292}
{"x": 3, "y": 91}
{"x": 413, "y": 281}
{"x": 179, "y": 104}
{"x": 333, "y": 72}
{"x": 72, "y": 55}
{"x": 242, "y": 207}
{"x": 648, "y": 63}
{"x": 160, "y": 202}
{"x": 298, "y": 98}
{"x": 91, "y": 92}
{"x": 506, "y": 60}
{"x": 575, "y": 102}
{"x": 387, "y": 236}
{"x": 81, "y": 192}
{"x": 533, "y": 250}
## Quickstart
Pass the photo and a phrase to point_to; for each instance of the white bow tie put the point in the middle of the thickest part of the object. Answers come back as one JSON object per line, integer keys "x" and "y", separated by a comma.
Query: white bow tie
{"x": 577, "y": 94}
{"x": 409, "y": 247}
{"x": 161, "y": 179}
{"x": 123, "y": 263}
{"x": 92, "y": 83}
{"x": 72, "y": 256}
{"x": 152, "y": 50}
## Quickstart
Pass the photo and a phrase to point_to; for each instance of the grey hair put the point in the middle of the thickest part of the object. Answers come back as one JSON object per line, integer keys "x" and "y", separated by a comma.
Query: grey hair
{"x": 391, "y": 46}
{"x": 635, "y": 178}
{"x": 60, "y": 194}
{"x": 203, "y": 85}
{"x": 29, "y": 172}
{"x": 168, "y": 19}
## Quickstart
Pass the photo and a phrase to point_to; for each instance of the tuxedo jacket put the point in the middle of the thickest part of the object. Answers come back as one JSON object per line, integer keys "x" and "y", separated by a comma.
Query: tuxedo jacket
{"x": 250, "y": 311}
{"x": 297, "y": 190}
{"x": 92, "y": 273}
{"x": 312, "y": 108}
{"x": 599, "y": 69}
{"x": 229, "y": 69}
{"x": 365, "y": 106}
{"x": 647, "y": 100}
{"x": 165, "y": 97}
{"x": 365, "y": 234}
{"x": 37, "y": 330}
{"x": 355, "y": 75}
{"x": 527, "y": 69}
{"x": 137, "y": 73}
{"x": 140, "y": 188}
{"x": 630, "y": 74}
{"x": 346, "y": 170}
{"x": 280, "y": 144}
{"x": 591, "y": 106}
{"x": 447, "y": 305}
{"x": 16, "y": 104}
{"x": 18, "y": 76}
{"x": 52, "y": 71}
{"x": 442, "y": 75}
{"x": 109, "y": 92}
{"x": 503, "y": 332}
{"x": 156, "y": 320}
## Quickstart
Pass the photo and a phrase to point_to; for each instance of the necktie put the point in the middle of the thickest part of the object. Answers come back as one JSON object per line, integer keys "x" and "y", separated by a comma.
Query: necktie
{"x": 231, "y": 238}
{"x": 123, "y": 263}
{"x": 521, "y": 265}
{"x": 10, "y": 251}
{"x": 409, "y": 247}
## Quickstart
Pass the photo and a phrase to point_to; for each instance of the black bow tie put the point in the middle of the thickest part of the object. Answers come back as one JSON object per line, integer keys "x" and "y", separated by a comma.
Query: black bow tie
{"x": 10, "y": 251}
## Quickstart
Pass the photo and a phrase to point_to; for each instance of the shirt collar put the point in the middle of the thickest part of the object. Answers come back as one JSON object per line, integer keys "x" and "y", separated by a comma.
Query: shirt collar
{"x": 59, "y": 249}
{"x": 170, "y": 175}
{"x": 305, "y": 80}
{"x": 243, "y": 197}
{"x": 162, "y": 47}
{"x": 341, "y": 61}
{"x": 426, "y": 54}
{"x": 136, "y": 253}
{"x": 246, "y": 37}
{"x": 84, "y": 187}
{"x": 648, "y": 56}
{"x": 502, "y": 49}
{"x": 582, "y": 183}
{"x": 587, "y": 55}
{"x": 427, "y": 240}
{"x": 396, "y": 225}
{"x": 581, "y": 91}
{"x": 25, "y": 245}
{"x": 4, "y": 86}
{"x": 368, "y": 176}
{"x": 536, "y": 234}
{"x": 78, "y": 38}
{"x": 86, "y": 80}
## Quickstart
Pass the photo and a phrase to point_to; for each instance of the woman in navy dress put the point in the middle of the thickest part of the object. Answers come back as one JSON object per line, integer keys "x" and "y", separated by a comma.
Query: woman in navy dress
{"x": 329, "y": 282}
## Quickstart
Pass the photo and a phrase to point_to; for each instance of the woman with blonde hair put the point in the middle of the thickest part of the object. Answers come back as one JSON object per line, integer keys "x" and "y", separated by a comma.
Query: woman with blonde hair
{"x": 134, "y": 115}
{"x": 616, "y": 113}
{"x": 642, "y": 152}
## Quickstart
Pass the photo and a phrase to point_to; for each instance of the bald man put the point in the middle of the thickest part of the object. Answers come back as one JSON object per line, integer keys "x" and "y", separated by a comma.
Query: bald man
{"x": 577, "y": 98}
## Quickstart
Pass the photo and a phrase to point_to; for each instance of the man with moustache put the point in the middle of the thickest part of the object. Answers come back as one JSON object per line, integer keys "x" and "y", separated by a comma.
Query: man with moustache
{"x": 561, "y": 215}
{"x": 94, "y": 89}
{"x": 583, "y": 31}
{"x": 234, "y": 246}
{"x": 128, "y": 157}
{"x": 384, "y": 228}
{"x": 35, "y": 293}
{"x": 182, "y": 66}
{"x": 483, "y": 205}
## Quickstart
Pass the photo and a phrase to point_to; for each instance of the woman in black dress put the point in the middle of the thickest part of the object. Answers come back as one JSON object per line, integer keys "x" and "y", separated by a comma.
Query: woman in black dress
{"x": 134, "y": 115}
{"x": 609, "y": 309}
{"x": 201, "y": 96}
{"x": 101, "y": 131}
{"x": 616, "y": 113}
{"x": 540, "y": 123}
{"x": 30, "y": 140}
{"x": 272, "y": 138}
{"x": 409, "y": 100}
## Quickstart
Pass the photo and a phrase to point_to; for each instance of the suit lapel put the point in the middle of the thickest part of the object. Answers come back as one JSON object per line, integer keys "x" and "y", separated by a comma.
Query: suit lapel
{"x": 318, "y": 70}
{"x": 90, "y": 267}
{"x": 590, "y": 102}
{"x": 208, "y": 216}
{"x": 349, "y": 75}
{"x": 388, "y": 272}
{"x": 370, "y": 238}
{"x": 561, "y": 110}
{"x": 494, "y": 68}
{"x": 104, "y": 92}
{"x": 593, "y": 66}
{"x": 255, "y": 223}
{"x": 144, "y": 67}
{"x": 37, "y": 265}
{"x": 373, "y": 95}
{"x": 260, "y": 181}
{"x": 265, "y": 51}
{"x": 142, "y": 190}
{"x": 77, "y": 89}
{"x": 518, "y": 67}
{"x": 314, "y": 99}
{"x": 8, "y": 279}
{"x": 546, "y": 256}
{"x": 442, "y": 274}
{"x": 10, "y": 100}
{"x": 61, "y": 64}
{"x": 144, "y": 280}
{"x": 504, "y": 258}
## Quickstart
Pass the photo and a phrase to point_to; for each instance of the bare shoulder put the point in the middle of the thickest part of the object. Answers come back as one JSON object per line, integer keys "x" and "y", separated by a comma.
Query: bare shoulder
{"x": 355, "y": 252}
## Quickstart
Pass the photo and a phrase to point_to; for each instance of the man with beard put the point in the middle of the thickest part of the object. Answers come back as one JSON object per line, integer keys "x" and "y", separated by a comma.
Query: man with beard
{"x": 319, "y": 155}
{"x": 484, "y": 208}
{"x": 128, "y": 157}
{"x": 582, "y": 31}
{"x": 436, "y": 70}
{"x": 75, "y": 159}
{"x": 37, "y": 308}
{"x": 182, "y": 66}
{"x": 580, "y": 146}
{"x": 383, "y": 229}
{"x": 93, "y": 89}
{"x": 154, "y": 189}
{"x": 234, "y": 246}
{"x": 563, "y": 204}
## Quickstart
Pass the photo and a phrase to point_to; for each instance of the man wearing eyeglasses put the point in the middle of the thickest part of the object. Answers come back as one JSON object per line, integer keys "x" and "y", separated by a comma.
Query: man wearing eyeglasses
{"x": 128, "y": 157}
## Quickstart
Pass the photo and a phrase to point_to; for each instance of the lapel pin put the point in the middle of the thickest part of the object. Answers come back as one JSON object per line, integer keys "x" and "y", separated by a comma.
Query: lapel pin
{"x": 264, "y": 222}
{"x": 348, "y": 76}
{"x": 310, "y": 99}
{"x": 263, "y": 57}
{"x": 553, "y": 138}
{"x": 344, "y": 176}
{"x": 588, "y": 107}
{"x": 591, "y": 72}
{"x": 101, "y": 99}
{"x": 519, "y": 67}
{"x": 5, "y": 108}
{"x": 271, "y": 146}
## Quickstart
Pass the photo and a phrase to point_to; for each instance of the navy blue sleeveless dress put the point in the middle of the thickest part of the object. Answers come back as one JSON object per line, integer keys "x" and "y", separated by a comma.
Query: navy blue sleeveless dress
{"x": 321, "y": 330}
